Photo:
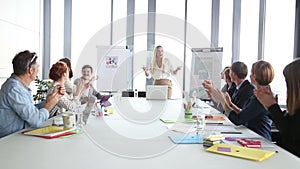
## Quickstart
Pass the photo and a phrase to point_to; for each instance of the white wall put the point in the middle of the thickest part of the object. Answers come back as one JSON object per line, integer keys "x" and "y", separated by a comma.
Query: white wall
{"x": 19, "y": 30}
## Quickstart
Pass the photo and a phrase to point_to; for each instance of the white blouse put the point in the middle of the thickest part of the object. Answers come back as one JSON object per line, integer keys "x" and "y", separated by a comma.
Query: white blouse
{"x": 160, "y": 73}
{"x": 67, "y": 101}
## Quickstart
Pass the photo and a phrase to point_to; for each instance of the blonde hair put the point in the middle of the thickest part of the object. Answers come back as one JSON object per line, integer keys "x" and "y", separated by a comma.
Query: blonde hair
{"x": 263, "y": 72}
{"x": 292, "y": 77}
{"x": 154, "y": 63}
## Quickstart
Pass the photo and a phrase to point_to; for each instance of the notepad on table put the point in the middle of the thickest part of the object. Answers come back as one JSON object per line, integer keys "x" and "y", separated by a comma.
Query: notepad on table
{"x": 50, "y": 132}
{"x": 241, "y": 152}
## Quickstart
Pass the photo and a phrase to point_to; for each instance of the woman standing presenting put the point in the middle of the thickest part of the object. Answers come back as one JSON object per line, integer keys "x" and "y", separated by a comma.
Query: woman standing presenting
{"x": 161, "y": 69}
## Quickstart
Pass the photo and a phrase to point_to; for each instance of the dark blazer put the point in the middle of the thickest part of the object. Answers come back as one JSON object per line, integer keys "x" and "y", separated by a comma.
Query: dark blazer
{"x": 289, "y": 128}
{"x": 254, "y": 116}
{"x": 240, "y": 97}
{"x": 231, "y": 89}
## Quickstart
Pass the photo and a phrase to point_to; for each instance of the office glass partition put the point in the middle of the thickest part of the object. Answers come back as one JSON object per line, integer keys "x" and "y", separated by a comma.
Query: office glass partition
{"x": 249, "y": 32}
{"x": 57, "y": 31}
{"x": 279, "y": 41}
{"x": 119, "y": 12}
{"x": 88, "y": 17}
{"x": 225, "y": 31}
{"x": 140, "y": 44}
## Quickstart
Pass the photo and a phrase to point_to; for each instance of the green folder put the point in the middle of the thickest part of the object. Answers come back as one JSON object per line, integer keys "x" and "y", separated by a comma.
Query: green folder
{"x": 170, "y": 120}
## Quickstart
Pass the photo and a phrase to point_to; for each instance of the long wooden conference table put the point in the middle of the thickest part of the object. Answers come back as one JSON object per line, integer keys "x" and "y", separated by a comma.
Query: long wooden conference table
{"x": 133, "y": 136}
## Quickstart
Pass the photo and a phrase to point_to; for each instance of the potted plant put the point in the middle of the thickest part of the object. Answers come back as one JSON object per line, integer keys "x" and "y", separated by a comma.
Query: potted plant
{"x": 42, "y": 88}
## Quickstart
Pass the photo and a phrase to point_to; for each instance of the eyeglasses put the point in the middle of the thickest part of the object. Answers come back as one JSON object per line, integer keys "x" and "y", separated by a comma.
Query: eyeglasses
{"x": 32, "y": 60}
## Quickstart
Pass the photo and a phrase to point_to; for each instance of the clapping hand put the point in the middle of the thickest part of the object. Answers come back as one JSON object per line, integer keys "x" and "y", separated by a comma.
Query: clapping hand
{"x": 54, "y": 97}
{"x": 265, "y": 96}
{"x": 177, "y": 69}
{"x": 94, "y": 78}
{"x": 208, "y": 85}
{"x": 145, "y": 70}
{"x": 61, "y": 90}
{"x": 81, "y": 86}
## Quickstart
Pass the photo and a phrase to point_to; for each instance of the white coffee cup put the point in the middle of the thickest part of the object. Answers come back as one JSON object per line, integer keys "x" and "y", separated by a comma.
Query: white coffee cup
{"x": 68, "y": 120}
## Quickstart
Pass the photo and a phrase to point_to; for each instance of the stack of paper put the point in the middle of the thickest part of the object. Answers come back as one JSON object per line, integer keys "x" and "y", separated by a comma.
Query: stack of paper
{"x": 249, "y": 143}
{"x": 213, "y": 139}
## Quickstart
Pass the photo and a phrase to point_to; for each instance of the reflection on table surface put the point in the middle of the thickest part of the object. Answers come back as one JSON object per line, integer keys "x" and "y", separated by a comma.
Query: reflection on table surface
{"x": 133, "y": 136}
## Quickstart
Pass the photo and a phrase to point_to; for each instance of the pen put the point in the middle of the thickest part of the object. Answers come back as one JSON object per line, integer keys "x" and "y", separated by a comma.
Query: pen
{"x": 231, "y": 132}
{"x": 212, "y": 123}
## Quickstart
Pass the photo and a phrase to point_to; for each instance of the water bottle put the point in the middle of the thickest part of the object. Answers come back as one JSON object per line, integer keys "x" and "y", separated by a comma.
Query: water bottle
{"x": 78, "y": 115}
{"x": 200, "y": 121}
{"x": 194, "y": 95}
{"x": 99, "y": 108}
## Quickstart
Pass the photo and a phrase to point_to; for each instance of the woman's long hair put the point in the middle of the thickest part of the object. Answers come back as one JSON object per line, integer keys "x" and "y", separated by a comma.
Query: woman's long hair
{"x": 154, "y": 63}
{"x": 292, "y": 77}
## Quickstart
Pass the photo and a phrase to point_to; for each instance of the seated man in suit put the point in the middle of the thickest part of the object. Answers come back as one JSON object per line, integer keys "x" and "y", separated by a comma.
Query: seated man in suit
{"x": 229, "y": 87}
{"x": 244, "y": 89}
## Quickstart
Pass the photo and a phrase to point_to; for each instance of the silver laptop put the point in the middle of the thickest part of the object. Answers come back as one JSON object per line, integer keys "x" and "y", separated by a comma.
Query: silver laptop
{"x": 157, "y": 92}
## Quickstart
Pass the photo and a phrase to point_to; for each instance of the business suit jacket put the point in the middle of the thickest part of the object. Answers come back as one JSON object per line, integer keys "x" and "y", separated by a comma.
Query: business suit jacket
{"x": 254, "y": 116}
{"x": 240, "y": 97}
{"x": 231, "y": 89}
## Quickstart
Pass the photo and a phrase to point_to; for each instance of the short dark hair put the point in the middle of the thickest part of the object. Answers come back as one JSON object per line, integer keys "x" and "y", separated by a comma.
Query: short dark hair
{"x": 87, "y": 66}
{"x": 68, "y": 62}
{"x": 22, "y": 61}
{"x": 240, "y": 69}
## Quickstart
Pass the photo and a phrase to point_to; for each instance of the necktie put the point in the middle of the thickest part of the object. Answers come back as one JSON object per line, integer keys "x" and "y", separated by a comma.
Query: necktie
{"x": 234, "y": 94}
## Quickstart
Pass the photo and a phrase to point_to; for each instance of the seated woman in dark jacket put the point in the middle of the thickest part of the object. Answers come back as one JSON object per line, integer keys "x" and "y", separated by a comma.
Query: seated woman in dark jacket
{"x": 288, "y": 123}
{"x": 253, "y": 114}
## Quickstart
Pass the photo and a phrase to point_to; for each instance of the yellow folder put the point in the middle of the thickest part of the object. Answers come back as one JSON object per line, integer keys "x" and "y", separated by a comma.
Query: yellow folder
{"x": 241, "y": 152}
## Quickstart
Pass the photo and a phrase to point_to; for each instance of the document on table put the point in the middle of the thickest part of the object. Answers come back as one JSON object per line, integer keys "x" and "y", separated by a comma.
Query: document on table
{"x": 181, "y": 127}
{"x": 220, "y": 127}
